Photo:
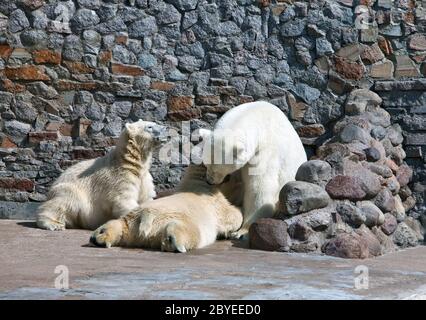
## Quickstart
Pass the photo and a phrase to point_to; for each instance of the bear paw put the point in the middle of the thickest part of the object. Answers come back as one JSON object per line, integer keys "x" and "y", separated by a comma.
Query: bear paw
{"x": 241, "y": 234}
{"x": 51, "y": 225}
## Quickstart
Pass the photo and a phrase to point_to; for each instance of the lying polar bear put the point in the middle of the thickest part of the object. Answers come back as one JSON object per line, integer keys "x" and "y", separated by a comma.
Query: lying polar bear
{"x": 192, "y": 218}
{"x": 94, "y": 191}
{"x": 258, "y": 140}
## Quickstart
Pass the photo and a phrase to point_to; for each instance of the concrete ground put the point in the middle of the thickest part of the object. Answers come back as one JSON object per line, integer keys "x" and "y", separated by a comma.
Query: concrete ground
{"x": 226, "y": 270}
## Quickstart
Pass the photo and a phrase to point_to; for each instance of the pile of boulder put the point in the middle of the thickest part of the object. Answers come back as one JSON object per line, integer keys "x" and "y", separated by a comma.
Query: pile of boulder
{"x": 351, "y": 199}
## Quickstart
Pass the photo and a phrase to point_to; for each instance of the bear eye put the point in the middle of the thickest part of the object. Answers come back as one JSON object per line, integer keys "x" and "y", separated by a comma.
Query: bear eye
{"x": 169, "y": 239}
{"x": 102, "y": 231}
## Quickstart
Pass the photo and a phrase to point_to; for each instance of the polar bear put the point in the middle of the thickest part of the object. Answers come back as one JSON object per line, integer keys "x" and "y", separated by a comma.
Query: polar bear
{"x": 194, "y": 217}
{"x": 258, "y": 140}
{"x": 94, "y": 191}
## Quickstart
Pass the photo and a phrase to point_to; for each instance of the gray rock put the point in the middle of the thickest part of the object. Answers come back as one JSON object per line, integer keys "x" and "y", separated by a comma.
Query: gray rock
{"x": 113, "y": 128}
{"x": 385, "y": 200}
{"x": 24, "y": 111}
{"x": 91, "y": 42}
{"x": 89, "y": 4}
{"x": 84, "y": 19}
{"x": 298, "y": 197}
{"x": 351, "y": 214}
{"x": 318, "y": 220}
{"x": 121, "y": 108}
{"x": 306, "y": 93}
{"x": 121, "y": 54}
{"x": 323, "y": 47}
{"x": 16, "y": 128}
{"x": 374, "y": 216}
{"x": 34, "y": 38}
{"x": 147, "y": 60}
{"x": 353, "y": 133}
{"x": 41, "y": 89}
{"x": 394, "y": 134}
{"x": 73, "y": 48}
{"x": 18, "y": 21}
{"x": 372, "y": 154}
{"x": 314, "y": 171}
{"x": 293, "y": 28}
{"x": 404, "y": 236}
{"x": 378, "y": 133}
{"x": 184, "y": 5}
{"x": 142, "y": 28}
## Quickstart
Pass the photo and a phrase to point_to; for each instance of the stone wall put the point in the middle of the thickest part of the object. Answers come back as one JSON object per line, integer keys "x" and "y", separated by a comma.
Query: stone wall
{"x": 73, "y": 72}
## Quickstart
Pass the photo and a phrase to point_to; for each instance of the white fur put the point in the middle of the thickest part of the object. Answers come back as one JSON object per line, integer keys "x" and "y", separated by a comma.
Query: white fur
{"x": 265, "y": 148}
{"x": 94, "y": 191}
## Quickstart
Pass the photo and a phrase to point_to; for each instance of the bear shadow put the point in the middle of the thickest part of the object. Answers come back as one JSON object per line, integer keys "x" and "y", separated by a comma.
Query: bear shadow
{"x": 28, "y": 224}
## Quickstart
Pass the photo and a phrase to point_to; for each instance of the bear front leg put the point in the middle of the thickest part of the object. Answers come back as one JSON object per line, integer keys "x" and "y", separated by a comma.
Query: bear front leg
{"x": 123, "y": 207}
{"x": 51, "y": 215}
{"x": 259, "y": 202}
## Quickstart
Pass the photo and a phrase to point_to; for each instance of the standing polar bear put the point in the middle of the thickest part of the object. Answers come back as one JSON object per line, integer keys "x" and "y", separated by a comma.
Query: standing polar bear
{"x": 192, "y": 218}
{"x": 94, "y": 191}
{"x": 257, "y": 139}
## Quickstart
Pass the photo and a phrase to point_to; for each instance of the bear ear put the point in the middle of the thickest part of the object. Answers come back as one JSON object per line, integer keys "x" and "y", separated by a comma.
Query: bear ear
{"x": 130, "y": 128}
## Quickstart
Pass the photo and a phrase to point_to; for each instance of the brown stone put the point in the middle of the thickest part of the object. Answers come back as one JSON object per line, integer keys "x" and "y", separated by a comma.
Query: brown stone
{"x": 126, "y": 69}
{"x": 10, "y": 86}
{"x": 385, "y": 200}
{"x": 389, "y": 225}
{"x": 311, "y": 131}
{"x": 7, "y": 143}
{"x": 417, "y": 42}
{"x": 297, "y": 109}
{"x": 207, "y": 100}
{"x": 33, "y": 4}
{"x": 18, "y": 184}
{"x": 179, "y": 103}
{"x": 404, "y": 175}
{"x": 268, "y": 234}
{"x": 348, "y": 69}
{"x": 80, "y": 127}
{"x": 162, "y": 86}
{"x": 104, "y": 57}
{"x": 264, "y": 3}
{"x": 35, "y": 138}
{"x": 418, "y": 58}
{"x": 405, "y": 67}
{"x": 392, "y": 165}
{"x": 47, "y": 57}
{"x": 347, "y": 245}
{"x": 78, "y": 67}
{"x": 345, "y": 187}
{"x": 121, "y": 39}
{"x": 409, "y": 203}
{"x": 5, "y": 51}
{"x": 66, "y": 129}
{"x": 385, "y": 45}
{"x": 79, "y": 154}
{"x": 373, "y": 244}
{"x": 184, "y": 115}
{"x": 371, "y": 54}
{"x": 350, "y": 52}
{"x": 382, "y": 70}
{"x": 245, "y": 99}
{"x": 67, "y": 85}
{"x": 27, "y": 73}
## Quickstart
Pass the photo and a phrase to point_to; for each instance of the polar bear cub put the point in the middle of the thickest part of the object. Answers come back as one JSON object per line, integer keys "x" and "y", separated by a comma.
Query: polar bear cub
{"x": 257, "y": 139}
{"x": 192, "y": 218}
{"x": 94, "y": 191}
